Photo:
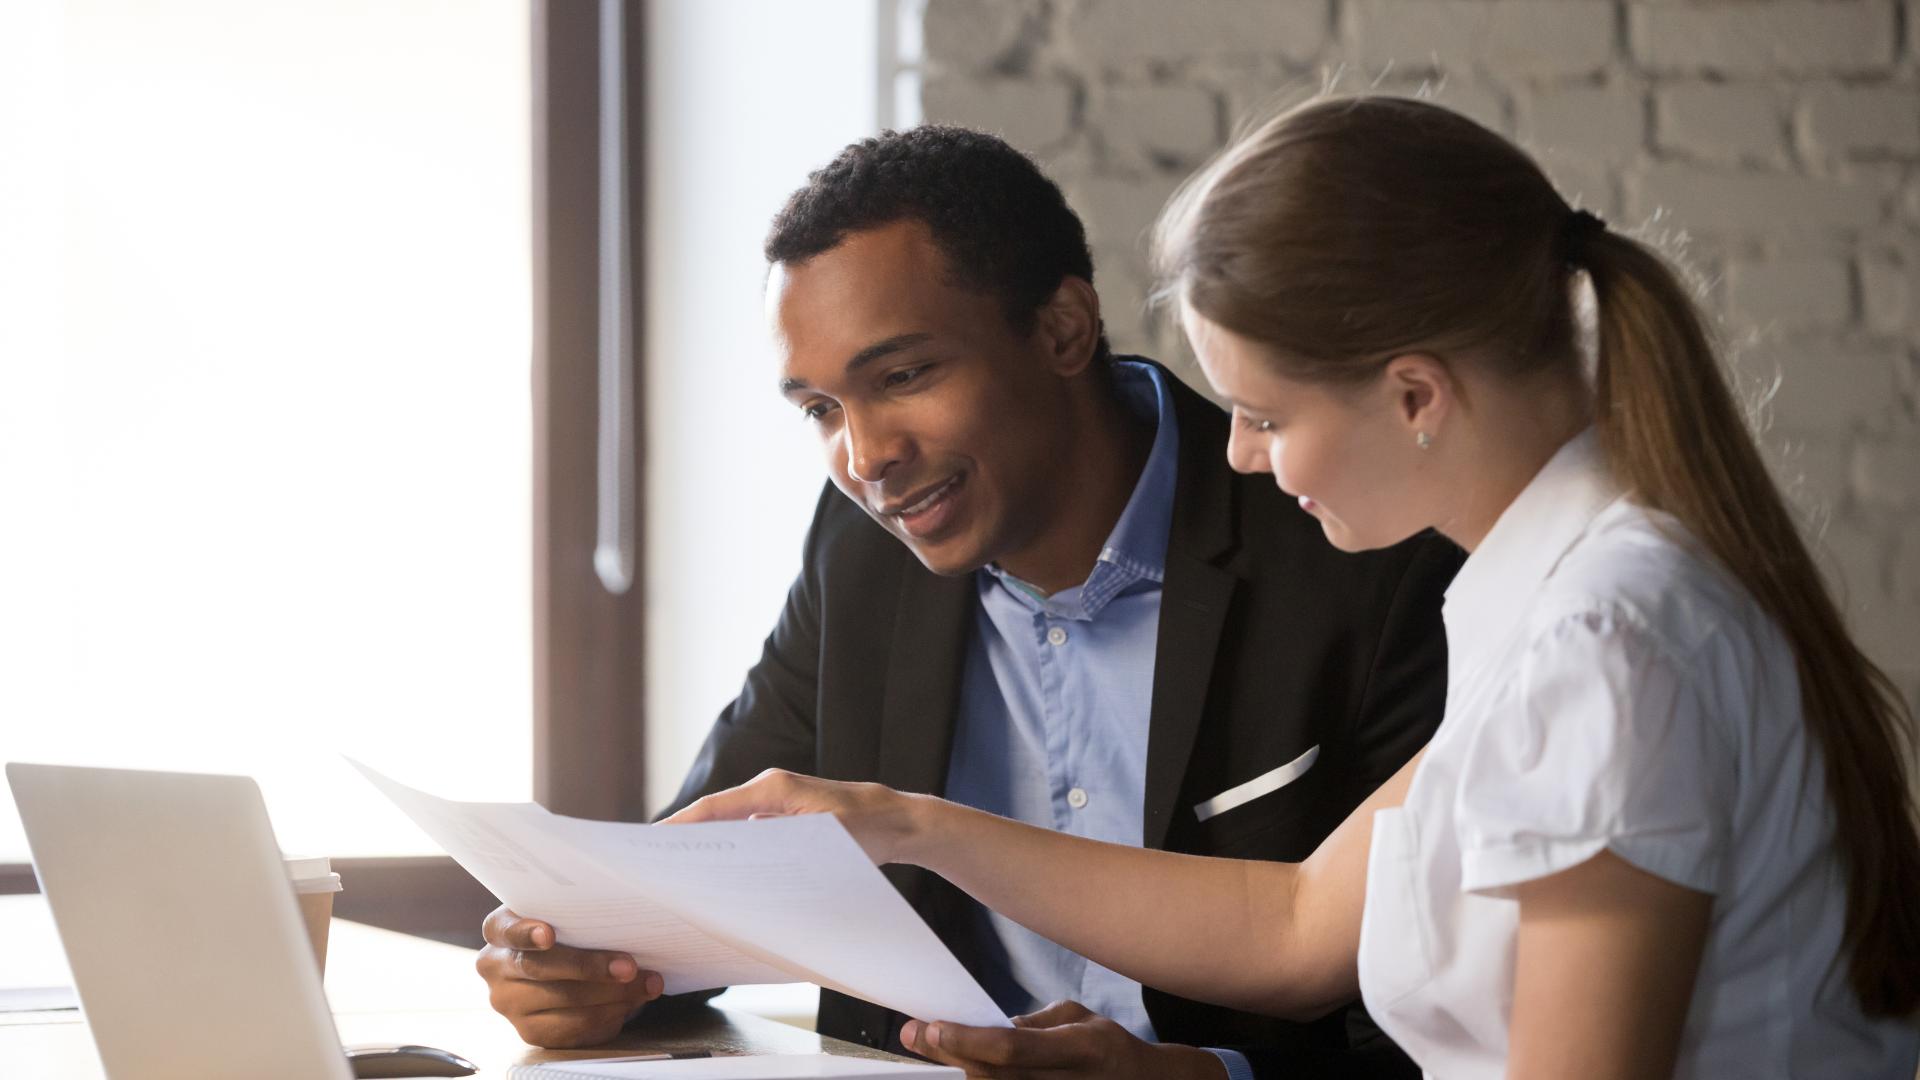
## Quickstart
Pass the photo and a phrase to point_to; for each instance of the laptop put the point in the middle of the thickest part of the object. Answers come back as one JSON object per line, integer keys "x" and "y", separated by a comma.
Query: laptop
{"x": 185, "y": 940}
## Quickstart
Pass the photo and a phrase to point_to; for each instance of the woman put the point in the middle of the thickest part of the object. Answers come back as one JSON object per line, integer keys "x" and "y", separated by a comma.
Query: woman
{"x": 1663, "y": 828}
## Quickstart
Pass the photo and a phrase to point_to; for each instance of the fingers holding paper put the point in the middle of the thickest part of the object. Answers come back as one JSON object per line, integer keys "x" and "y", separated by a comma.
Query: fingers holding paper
{"x": 1062, "y": 1041}
{"x": 878, "y": 817}
{"x": 556, "y": 995}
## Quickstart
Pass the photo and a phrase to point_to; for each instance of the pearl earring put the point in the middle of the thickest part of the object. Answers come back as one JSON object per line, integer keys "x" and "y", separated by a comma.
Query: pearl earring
{"x": 1424, "y": 440}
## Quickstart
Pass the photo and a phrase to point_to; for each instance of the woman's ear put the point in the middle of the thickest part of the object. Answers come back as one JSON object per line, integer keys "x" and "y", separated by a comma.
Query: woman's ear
{"x": 1069, "y": 326}
{"x": 1424, "y": 394}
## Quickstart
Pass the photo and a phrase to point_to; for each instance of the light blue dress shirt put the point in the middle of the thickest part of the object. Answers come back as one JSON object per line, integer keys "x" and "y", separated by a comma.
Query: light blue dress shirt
{"x": 1054, "y": 710}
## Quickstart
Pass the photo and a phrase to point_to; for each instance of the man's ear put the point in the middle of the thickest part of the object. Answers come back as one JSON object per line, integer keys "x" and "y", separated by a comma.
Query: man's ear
{"x": 1424, "y": 393}
{"x": 1068, "y": 326}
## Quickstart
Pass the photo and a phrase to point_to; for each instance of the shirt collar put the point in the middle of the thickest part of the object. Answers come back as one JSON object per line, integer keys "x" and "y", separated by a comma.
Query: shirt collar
{"x": 1497, "y": 584}
{"x": 1136, "y": 549}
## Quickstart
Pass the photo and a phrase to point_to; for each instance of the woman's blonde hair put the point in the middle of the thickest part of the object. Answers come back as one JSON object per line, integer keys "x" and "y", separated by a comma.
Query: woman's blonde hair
{"x": 1352, "y": 230}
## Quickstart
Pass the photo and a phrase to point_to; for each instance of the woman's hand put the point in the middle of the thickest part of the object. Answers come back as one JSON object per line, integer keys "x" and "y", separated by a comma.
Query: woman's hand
{"x": 885, "y": 822}
{"x": 1063, "y": 1040}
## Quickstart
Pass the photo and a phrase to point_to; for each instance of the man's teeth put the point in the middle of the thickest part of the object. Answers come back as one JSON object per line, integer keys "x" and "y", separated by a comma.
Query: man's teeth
{"x": 929, "y": 500}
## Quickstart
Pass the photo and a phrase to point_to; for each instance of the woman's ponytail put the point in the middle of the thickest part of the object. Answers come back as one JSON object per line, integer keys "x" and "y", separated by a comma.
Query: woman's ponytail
{"x": 1672, "y": 432}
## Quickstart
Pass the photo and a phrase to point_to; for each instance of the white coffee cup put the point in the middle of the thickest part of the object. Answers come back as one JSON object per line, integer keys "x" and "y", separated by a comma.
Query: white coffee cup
{"x": 315, "y": 883}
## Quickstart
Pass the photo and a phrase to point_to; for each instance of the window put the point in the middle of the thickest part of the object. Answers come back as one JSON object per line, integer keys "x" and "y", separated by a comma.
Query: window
{"x": 264, "y": 398}
{"x": 266, "y": 434}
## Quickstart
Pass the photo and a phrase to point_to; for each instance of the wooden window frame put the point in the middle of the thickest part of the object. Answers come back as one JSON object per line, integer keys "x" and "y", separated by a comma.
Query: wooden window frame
{"x": 589, "y": 741}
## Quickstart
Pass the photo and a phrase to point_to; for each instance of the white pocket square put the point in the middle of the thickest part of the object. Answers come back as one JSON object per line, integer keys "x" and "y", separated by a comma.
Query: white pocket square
{"x": 1264, "y": 784}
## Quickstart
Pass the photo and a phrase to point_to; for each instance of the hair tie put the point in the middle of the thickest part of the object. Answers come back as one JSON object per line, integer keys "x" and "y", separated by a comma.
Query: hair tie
{"x": 1574, "y": 231}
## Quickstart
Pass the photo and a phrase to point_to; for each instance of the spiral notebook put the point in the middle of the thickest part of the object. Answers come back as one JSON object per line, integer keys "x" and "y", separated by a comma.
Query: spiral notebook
{"x": 754, "y": 1067}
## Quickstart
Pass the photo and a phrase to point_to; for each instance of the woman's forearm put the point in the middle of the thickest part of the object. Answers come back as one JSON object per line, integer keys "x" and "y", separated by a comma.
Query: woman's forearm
{"x": 1153, "y": 916}
{"x": 1276, "y": 938}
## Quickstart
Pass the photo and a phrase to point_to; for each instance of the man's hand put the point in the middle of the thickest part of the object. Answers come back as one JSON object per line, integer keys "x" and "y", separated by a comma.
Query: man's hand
{"x": 1064, "y": 1040}
{"x": 555, "y": 995}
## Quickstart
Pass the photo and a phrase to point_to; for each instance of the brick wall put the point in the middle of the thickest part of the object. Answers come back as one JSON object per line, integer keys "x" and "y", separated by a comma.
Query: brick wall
{"x": 1775, "y": 142}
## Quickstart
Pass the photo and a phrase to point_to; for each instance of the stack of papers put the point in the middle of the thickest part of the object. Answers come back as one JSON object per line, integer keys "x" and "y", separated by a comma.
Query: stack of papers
{"x": 715, "y": 904}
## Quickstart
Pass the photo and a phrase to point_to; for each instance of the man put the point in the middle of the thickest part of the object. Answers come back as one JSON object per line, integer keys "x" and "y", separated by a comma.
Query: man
{"x": 1035, "y": 586}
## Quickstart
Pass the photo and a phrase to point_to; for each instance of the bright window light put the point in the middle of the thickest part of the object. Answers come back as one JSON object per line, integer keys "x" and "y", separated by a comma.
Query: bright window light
{"x": 264, "y": 399}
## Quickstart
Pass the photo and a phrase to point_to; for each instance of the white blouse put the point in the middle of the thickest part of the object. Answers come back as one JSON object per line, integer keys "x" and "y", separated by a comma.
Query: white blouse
{"x": 1610, "y": 686}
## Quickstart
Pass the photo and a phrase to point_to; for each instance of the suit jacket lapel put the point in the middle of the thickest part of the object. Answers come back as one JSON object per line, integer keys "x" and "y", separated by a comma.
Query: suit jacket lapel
{"x": 921, "y": 702}
{"x": 1193, "y": 603}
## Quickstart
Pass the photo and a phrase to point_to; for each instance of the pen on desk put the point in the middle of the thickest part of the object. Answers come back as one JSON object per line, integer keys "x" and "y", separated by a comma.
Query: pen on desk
{"x": 646, "y": 1057}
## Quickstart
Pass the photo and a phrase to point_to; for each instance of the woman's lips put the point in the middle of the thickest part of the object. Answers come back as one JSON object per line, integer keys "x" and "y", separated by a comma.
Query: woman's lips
{"x": 1308, "y": 504}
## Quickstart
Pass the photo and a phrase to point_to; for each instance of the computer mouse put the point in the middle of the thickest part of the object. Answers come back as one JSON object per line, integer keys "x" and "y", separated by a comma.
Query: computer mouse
{"x": 382, "y": 1061}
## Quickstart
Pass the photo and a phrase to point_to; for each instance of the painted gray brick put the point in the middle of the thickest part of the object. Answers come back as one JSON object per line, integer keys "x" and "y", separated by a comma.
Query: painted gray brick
{"x": 1129, "y": 31}
{"x": 1792, "y": 294}
{"x": 1177, "y": 121}
{"x": 1722, "y": 122}
{"x": 1595, "y": 124}
{"x": 1884, "y": 474}
{"x": 1557, "y": 36}
{"x": 1863, "y": 121}
{"x": 1028, "y": 115}
{"x": 1703, "y": 199}
{"x": 970, "y": 35}
{"x": 1777, "y": 35}
{"x": 1886, "y": 295}
{"x": 1825, "y": 388}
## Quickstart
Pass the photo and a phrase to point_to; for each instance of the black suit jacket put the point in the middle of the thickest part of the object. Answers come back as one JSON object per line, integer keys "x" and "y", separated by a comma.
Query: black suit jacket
{"x": 1271, "y": 641}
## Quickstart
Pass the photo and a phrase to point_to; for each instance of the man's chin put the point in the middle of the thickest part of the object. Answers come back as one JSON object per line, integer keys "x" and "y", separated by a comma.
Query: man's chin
{"x": 952, "y": 557}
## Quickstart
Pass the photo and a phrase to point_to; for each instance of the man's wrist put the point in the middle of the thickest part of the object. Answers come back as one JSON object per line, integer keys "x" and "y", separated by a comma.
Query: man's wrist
{"x": 1193, "y": 1063}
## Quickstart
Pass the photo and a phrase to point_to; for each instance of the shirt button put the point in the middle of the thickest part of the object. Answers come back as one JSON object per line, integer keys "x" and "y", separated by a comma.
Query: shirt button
{"x": 1076, "y": 798}
{"x": 1058, "y": 636}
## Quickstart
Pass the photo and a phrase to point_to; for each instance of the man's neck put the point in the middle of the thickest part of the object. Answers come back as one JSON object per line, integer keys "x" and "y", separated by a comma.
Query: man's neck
{"x": 1109, "y": 453}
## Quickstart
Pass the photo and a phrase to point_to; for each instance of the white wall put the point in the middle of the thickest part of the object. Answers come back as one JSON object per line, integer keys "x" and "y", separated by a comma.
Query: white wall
{"x": 745, "y": 97}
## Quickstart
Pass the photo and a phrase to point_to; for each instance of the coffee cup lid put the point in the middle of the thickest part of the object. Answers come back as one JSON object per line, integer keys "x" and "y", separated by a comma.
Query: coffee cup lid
{"x": 312, "y": 873}
{"x": 330, "y": 883}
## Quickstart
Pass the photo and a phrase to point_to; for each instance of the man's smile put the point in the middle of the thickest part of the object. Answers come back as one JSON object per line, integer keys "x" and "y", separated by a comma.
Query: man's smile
{"x": 927, "y": 511}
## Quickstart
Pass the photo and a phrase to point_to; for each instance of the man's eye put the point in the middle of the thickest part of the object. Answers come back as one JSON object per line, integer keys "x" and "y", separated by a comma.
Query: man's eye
{"x": 817, "y": 410}
{"x": 903, "y": 376}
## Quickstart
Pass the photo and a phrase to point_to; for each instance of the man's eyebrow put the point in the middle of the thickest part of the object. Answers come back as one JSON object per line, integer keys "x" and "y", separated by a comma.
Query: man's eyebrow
{"x": 865, "y": 356}
{"x": 885, "y": 348}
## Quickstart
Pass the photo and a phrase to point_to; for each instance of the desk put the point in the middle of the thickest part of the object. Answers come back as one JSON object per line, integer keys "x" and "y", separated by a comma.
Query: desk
{"x": 388, "y": 987}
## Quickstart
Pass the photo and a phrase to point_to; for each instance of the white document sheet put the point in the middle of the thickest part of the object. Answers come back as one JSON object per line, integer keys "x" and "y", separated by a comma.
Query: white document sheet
{"x": 716, "y": 904}
{"x": 755, "y": 1067}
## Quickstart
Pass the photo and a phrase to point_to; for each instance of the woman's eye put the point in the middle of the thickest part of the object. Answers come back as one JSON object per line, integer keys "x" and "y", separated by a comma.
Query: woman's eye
{"x": 903, "y": 376}
{"x": 817, "y": 410}
{"x": 1264, "y": 427}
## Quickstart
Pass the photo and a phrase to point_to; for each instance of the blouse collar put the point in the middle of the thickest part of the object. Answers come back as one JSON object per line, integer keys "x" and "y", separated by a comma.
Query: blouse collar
{"x": 1498, "y": 582}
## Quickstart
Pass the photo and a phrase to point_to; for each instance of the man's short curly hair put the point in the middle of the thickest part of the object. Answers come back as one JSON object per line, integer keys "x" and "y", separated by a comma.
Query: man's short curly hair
{"x": 1006, "y": 229}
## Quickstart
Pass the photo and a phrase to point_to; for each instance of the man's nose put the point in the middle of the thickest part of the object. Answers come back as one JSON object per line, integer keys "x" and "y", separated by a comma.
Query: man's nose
{"x": 873, "y": 448}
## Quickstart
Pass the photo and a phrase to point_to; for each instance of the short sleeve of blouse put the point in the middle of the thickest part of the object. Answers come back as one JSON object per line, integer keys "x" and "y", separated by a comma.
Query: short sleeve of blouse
{"x": 1598, "y": 739}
